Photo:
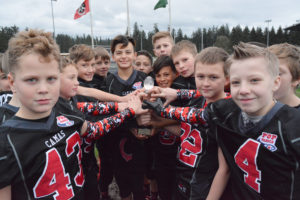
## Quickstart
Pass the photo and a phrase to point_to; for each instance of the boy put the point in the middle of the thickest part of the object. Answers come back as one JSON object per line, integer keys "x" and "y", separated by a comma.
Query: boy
{"x": 197, "y": 167}
{"x": 289, "y": 71}
{"x": 162, "y": 43}
{"x": 258, "y": 136}
{"x": 128, "y": 151}
{"x": 40, "y": 145}
{"x": 183, "y": 55}
{"x": 143, "y": 62}
{"x": 5, "y": 92}
{"x": 102, "y": 65}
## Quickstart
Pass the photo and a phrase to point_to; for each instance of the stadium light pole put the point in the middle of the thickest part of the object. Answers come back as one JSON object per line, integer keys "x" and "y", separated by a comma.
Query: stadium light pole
{"x": 141, "y": 37}
{"x": 53, "y": 19}
{"x": 268, "y": 22}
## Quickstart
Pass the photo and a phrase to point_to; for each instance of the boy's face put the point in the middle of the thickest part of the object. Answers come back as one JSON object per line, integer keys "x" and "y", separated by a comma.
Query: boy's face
{"x": 143, "y": 64}
{"x": 252, "y": 85}
{"x": 4, "y": 83}
{"x": 124, "y": 56}
{"x": 86, "y": 69}
{"x": 210, "y": 80}
{"x": 102, "y": 66}
{"x": 69, "y": 83}
{"x": 184, "y": 63}
{"x": 165, "y": 77}
{"x": 36, "y": 85}
{"x": 287, "y": 86}
{"x": 162, "y": 46}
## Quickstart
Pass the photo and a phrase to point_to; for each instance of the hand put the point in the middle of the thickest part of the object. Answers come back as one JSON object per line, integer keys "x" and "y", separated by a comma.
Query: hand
{"x": 122, "y": 106}
{"x": 157, "y": 106}
{"x": 136, "y": 104}
{"x": 144, "y": 119}
{"x": 167, "y": 93}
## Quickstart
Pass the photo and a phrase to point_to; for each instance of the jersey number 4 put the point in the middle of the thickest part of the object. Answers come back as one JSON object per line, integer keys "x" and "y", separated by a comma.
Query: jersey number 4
{"x": 54, "y": 180}
{"x": 245, "y": 158}
{"x": 191, "y": 145}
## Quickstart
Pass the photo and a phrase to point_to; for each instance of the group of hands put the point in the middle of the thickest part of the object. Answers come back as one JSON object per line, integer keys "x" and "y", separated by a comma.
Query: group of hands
{"x": 144, "y": 102}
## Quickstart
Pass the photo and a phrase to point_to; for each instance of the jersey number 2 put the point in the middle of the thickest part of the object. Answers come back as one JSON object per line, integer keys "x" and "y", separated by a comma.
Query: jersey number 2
{"x": 191, "y": 145}
{"x": 245, "y": 158}
{"x": 54, "y": 179}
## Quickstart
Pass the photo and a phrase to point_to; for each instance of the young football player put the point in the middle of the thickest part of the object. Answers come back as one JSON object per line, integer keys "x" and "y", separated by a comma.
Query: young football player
{"x": 40, "y": 145}
{"x": 162, "y": 43}
{"x": 258, "y": 136}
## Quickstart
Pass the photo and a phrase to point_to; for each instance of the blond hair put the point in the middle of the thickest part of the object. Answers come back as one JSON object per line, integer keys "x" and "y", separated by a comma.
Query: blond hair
{"x": 211, "y": 56}
{"x": 290, "y": 54}
{"x": 101, "y": 52}
{"x": 244, "y": 51}
{"x": 31, "y": 41}
{"x": 183, "y": 45}
{"x": 161, "y": 34}
{"x": 81, "y": 52}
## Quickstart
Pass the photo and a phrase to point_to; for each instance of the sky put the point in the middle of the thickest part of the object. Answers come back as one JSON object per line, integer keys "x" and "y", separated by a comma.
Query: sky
{"x": 110, "y": 16}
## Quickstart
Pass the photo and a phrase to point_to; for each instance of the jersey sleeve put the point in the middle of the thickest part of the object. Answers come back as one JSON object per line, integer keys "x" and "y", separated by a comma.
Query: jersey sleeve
{"x": 8, "y": 165}
{"x": 185, "y": 114}
{"x": 98, "y": 129}
{"x": 97, "y": 108}
{"x": 185, "y": 94}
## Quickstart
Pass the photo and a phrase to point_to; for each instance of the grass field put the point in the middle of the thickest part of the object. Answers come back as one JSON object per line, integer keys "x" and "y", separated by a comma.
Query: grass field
{"x": 298, "y": 92}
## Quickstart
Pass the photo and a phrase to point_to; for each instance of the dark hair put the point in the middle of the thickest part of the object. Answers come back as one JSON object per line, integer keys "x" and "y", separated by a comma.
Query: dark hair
{"x": 121, "y": 39}
{"x": 161, "y": 62}
{"x": 145, "y": 53}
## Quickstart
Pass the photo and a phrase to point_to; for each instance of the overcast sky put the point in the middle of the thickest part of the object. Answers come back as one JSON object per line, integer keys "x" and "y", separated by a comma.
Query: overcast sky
{"x": 109, "y": 16}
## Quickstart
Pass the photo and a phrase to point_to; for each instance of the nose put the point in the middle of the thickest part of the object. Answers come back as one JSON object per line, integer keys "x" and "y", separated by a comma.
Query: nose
{"x": 206, "y": 81}
{"x": 76, "y": 82}
{"x": 43, "y": 87}
{"x": 244, "y": 88}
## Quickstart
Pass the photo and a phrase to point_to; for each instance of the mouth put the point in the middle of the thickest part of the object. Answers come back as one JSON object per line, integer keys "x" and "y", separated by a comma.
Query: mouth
{"x": 43, "y": 101}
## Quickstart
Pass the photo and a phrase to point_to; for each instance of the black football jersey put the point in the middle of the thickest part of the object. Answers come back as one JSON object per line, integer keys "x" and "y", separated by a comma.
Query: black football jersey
{"x": 100, "y": 81}
{"x": 264, "y": 158}
{"x": 41, "y": 159}
{"x": 7, "y": 111}
{"x": 5, "y": 97}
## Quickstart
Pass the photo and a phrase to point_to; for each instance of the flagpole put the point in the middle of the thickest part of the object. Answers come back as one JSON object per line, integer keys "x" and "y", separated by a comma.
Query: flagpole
{"x": 53, "y": 19}
{"x": 170, "y": 22}
{"x": 92, "y": 33}
{"x": 128, "y": 23}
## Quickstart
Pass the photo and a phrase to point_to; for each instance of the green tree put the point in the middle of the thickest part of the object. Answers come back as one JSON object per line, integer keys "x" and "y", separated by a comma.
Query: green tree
{"x": 5, "y": 34}
{"x": 223, "y": 42}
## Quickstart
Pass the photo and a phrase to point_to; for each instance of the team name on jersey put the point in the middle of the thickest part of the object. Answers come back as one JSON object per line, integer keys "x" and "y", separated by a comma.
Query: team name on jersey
{"x": 268, "y": 140}
{"x": 55, "y": 139}
{"x": 124, "y": 93}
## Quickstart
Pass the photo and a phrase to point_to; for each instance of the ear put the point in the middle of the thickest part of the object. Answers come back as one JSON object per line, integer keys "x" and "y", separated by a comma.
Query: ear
{"x": 276, "y": 83}
{"x": 295, "y": 83}
{"x": 11, "y": 81}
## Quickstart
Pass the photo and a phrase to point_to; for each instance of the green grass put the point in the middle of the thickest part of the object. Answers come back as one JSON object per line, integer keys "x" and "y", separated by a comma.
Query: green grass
{"x": 298, "y": 92}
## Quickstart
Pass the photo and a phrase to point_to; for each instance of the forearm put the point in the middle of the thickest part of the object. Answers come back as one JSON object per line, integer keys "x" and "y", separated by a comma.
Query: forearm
{"x": 95, "y": 130}
{"x": 98, "y": 94}
{"x": 97, "y": 108}
{"x": 174, "y": 129}
{"x": 184, "y": 94}
{"x": 184, "y": 114}
{"x": 220, "y": 180}
{"x": 5, "y": 193}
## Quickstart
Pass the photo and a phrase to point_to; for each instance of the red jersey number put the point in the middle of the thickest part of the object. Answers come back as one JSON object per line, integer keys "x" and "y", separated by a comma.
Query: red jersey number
{"x": 54, "y": 180}
{"x": 245, "y": 158}
{"x": 191, "y": 145}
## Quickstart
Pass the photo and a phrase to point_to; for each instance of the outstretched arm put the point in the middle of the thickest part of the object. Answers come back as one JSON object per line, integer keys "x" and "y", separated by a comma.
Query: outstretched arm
{"x": 97, "y": 108}
{"x": 98, "y": 94}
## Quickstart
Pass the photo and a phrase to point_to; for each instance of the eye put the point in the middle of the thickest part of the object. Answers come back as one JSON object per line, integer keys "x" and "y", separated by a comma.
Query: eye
{"x": 3, "y": 77}
{"x": 52, "y": 79}
{"x": 31, "y": 80}
{"x": 200, "y": 76}
{"x": 185, "y": 59}
{"x": 213, "y": 77}
{"x": 234, "y": 83}
{"x": 254, "y": 80}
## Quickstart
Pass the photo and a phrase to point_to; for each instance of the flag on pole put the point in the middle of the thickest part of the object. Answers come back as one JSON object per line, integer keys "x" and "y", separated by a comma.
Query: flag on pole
{"x": 161, "y": 4}
{"x": 82, "y": 10}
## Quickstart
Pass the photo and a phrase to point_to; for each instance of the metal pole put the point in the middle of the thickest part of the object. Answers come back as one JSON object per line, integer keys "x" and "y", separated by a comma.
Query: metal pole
{"x": 92, "y": 33}
{"x": 170, "y": 20}
{"x": 141, "y": 37}
{"x": 268, "y": 21}
{"x": 53, "y": 19}
{"x": 202, "y": 39}
{"x": 128, "y": 23}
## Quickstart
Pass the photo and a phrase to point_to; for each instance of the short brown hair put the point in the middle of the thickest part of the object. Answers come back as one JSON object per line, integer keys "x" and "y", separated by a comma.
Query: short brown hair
{"x": 101, "y": 52}
{"x": 121, "y": 39}
{"x": 65, "y": 61}
{"x": 4, "y": 63}
{"x": 290, "y": 54}
{"x": 161, "y": 34}
{"x": 245, "y": 51}
{"x": 183, "y": 45}
{"x": 31, "y": 41}
{"x": 81, "y": 52}
{"x": 212, "y": 55}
